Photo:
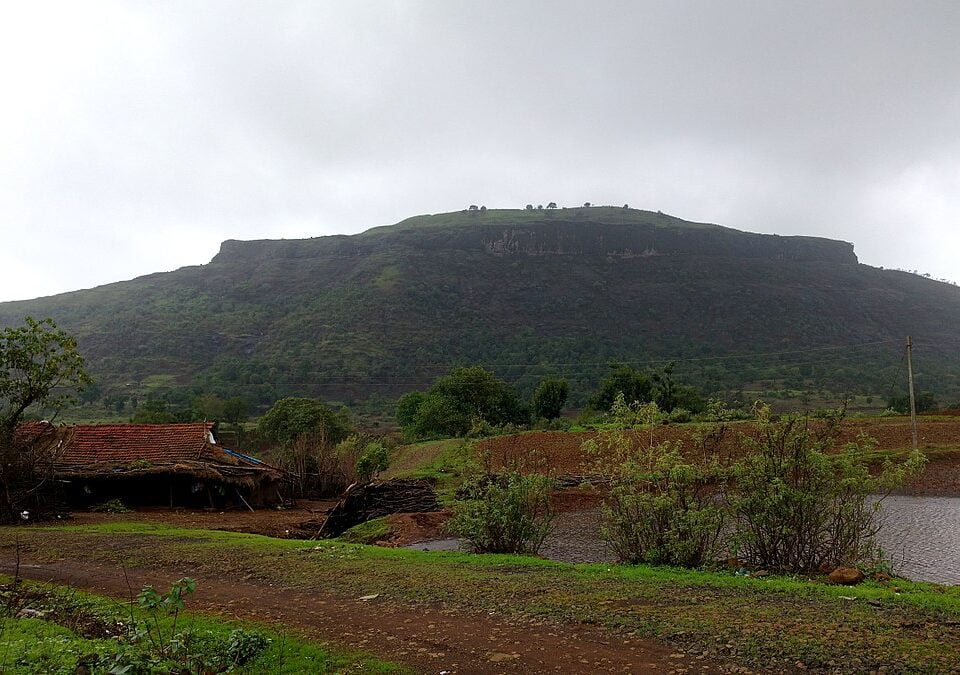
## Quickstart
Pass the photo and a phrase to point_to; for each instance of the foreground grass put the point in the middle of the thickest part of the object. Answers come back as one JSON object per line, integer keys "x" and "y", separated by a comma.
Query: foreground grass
{"x": 773, "y": 622}
{"x": 80, "y": 629}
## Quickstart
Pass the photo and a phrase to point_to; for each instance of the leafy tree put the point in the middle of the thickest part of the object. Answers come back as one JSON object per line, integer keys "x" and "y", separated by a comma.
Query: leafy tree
{"x": 925, "y": 402}
{"x": 634, "y": 385}
{"x": 40, "y": 366}
{"x": 454, "y": 402}
{"x": 153, "y": 411}
{"x": 670, "y": 396}
{"x": 549, "y": 398}
{"x": 236, "y": 410}
{"x": 292, "y": 417}
{"x": 529, "y": 207}
{"x": 552, "y": 205}
{"x": 407, "y": 408}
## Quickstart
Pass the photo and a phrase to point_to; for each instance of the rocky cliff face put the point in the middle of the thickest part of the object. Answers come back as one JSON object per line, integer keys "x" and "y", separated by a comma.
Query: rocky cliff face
{"x": 560, "y": 234}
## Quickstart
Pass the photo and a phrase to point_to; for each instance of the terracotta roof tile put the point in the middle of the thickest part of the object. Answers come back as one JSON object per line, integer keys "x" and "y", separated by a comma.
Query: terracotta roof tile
{"x": 123, "y": 443}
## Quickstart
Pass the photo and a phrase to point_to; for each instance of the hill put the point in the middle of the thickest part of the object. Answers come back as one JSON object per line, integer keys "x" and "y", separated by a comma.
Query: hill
{"x": 530, "y": 293}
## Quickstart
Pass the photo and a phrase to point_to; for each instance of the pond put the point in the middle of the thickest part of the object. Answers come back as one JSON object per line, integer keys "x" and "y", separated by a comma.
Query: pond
{"x": 921, "y": 536}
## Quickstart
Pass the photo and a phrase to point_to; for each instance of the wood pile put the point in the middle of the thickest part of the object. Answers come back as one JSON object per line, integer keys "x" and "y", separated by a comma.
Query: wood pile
{"x": 361, "y": 503}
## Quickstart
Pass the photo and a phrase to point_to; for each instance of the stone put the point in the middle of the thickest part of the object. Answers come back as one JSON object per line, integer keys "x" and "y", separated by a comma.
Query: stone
{"x": 848, "y": 576}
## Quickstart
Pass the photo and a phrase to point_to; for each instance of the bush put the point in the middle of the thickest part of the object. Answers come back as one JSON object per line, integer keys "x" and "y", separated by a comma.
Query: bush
{"x": 111, "y": 506}
{"x": 798, "y": 508}
{"x": 243, "y": 646}
{"x": 372, "y": 461}
{"x": 509, "y": 513}
{"x": 660, "y": 508}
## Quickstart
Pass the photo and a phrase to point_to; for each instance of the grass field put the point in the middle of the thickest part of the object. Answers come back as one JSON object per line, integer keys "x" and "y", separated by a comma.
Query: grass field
{"x": 773, "y": 622}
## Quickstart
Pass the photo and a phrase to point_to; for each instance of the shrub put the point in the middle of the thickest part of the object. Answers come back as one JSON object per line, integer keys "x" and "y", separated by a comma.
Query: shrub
{"x": 243, "y": 646}
{"x": 509, "y": 513}
{"x": 372, "y": 461}
{"x": 111, "y": 506}
{"x": 660, "y": 508}
{"x": 798, "y": 508}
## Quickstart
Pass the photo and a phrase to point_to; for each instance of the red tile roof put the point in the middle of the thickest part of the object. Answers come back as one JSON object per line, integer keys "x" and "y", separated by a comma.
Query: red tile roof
{"x": 85, "y": 444}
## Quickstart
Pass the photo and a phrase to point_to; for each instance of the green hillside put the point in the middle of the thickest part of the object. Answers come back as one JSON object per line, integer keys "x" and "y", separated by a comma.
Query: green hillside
{"x": 530, "y": 293}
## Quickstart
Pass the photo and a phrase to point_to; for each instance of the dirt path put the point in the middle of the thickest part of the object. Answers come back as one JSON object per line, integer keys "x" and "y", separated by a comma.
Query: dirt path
{"x": 429, "y": 640}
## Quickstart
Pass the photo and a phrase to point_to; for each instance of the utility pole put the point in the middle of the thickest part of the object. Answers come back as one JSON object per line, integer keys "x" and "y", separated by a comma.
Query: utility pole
{"x": 913, "y": 400}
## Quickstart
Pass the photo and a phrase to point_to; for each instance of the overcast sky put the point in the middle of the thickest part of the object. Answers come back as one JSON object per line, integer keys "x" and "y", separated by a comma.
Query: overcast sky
{"x": 136, "y": 137}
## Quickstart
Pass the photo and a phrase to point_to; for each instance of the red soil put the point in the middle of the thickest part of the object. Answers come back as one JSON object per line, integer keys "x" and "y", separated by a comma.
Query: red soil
{"x": 560, "y": 453}
{"x": 426, "y": 639}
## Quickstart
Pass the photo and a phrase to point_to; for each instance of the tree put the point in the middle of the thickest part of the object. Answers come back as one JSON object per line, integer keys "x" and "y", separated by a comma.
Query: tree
{"x": 660, "y": 507}
{"x": 586, "y": 204}
{"x": 290, "y": 418}
{"x": 669, "y": 395}
{"x": 634, "y": 385}
{"x": 549, "y": 398}
{"x": 236, "y": 410}
{"x": 456, "y": 401}
{"x": 529, "y": 207}
{"x": 40, "y": 367}
{"x": 552, "y": 205}
{"x": 153, "y": 411}
{"x": 925, "y": 402}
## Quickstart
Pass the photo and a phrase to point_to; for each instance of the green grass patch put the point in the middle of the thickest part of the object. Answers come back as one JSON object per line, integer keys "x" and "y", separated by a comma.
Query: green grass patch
{"x": 68, "y": 628}
{"x": 369, "y": 532}
{"x": 443, "y": 462}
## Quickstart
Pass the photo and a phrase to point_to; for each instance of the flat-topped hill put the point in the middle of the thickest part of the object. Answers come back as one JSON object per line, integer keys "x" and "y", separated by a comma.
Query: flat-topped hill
{"x": 529, "y": 292}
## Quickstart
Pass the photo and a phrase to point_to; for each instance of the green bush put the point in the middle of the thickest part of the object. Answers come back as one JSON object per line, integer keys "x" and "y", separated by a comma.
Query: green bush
{"x": 111, "y": 506}
{"x": 372, "y": 461}
{"x": 660, "y": 508}
{"x": 509, "y": 513}
{"x": 797, "y": 507}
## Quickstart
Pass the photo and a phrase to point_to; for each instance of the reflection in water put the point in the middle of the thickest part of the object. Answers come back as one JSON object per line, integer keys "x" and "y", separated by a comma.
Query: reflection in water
{"x": 921, "y": 536}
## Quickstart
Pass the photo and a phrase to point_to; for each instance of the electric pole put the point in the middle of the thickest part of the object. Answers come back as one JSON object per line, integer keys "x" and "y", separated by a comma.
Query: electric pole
{"x": 913, "y": 400}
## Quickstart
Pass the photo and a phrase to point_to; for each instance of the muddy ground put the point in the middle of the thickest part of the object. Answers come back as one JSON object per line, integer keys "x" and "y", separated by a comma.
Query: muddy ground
{"x": 426, "y": 639}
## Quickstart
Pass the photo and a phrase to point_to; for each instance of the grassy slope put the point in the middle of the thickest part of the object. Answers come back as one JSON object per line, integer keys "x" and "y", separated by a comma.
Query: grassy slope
{"x": 772, "y": 622}
{"x": 38, "y": 645}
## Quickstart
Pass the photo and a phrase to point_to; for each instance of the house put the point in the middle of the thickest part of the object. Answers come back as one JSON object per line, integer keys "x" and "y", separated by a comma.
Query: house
{"x": 155, "y": 464}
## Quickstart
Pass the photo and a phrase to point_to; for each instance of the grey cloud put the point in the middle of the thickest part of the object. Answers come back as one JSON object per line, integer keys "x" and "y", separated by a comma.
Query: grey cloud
{"x": 142, "y": 134}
